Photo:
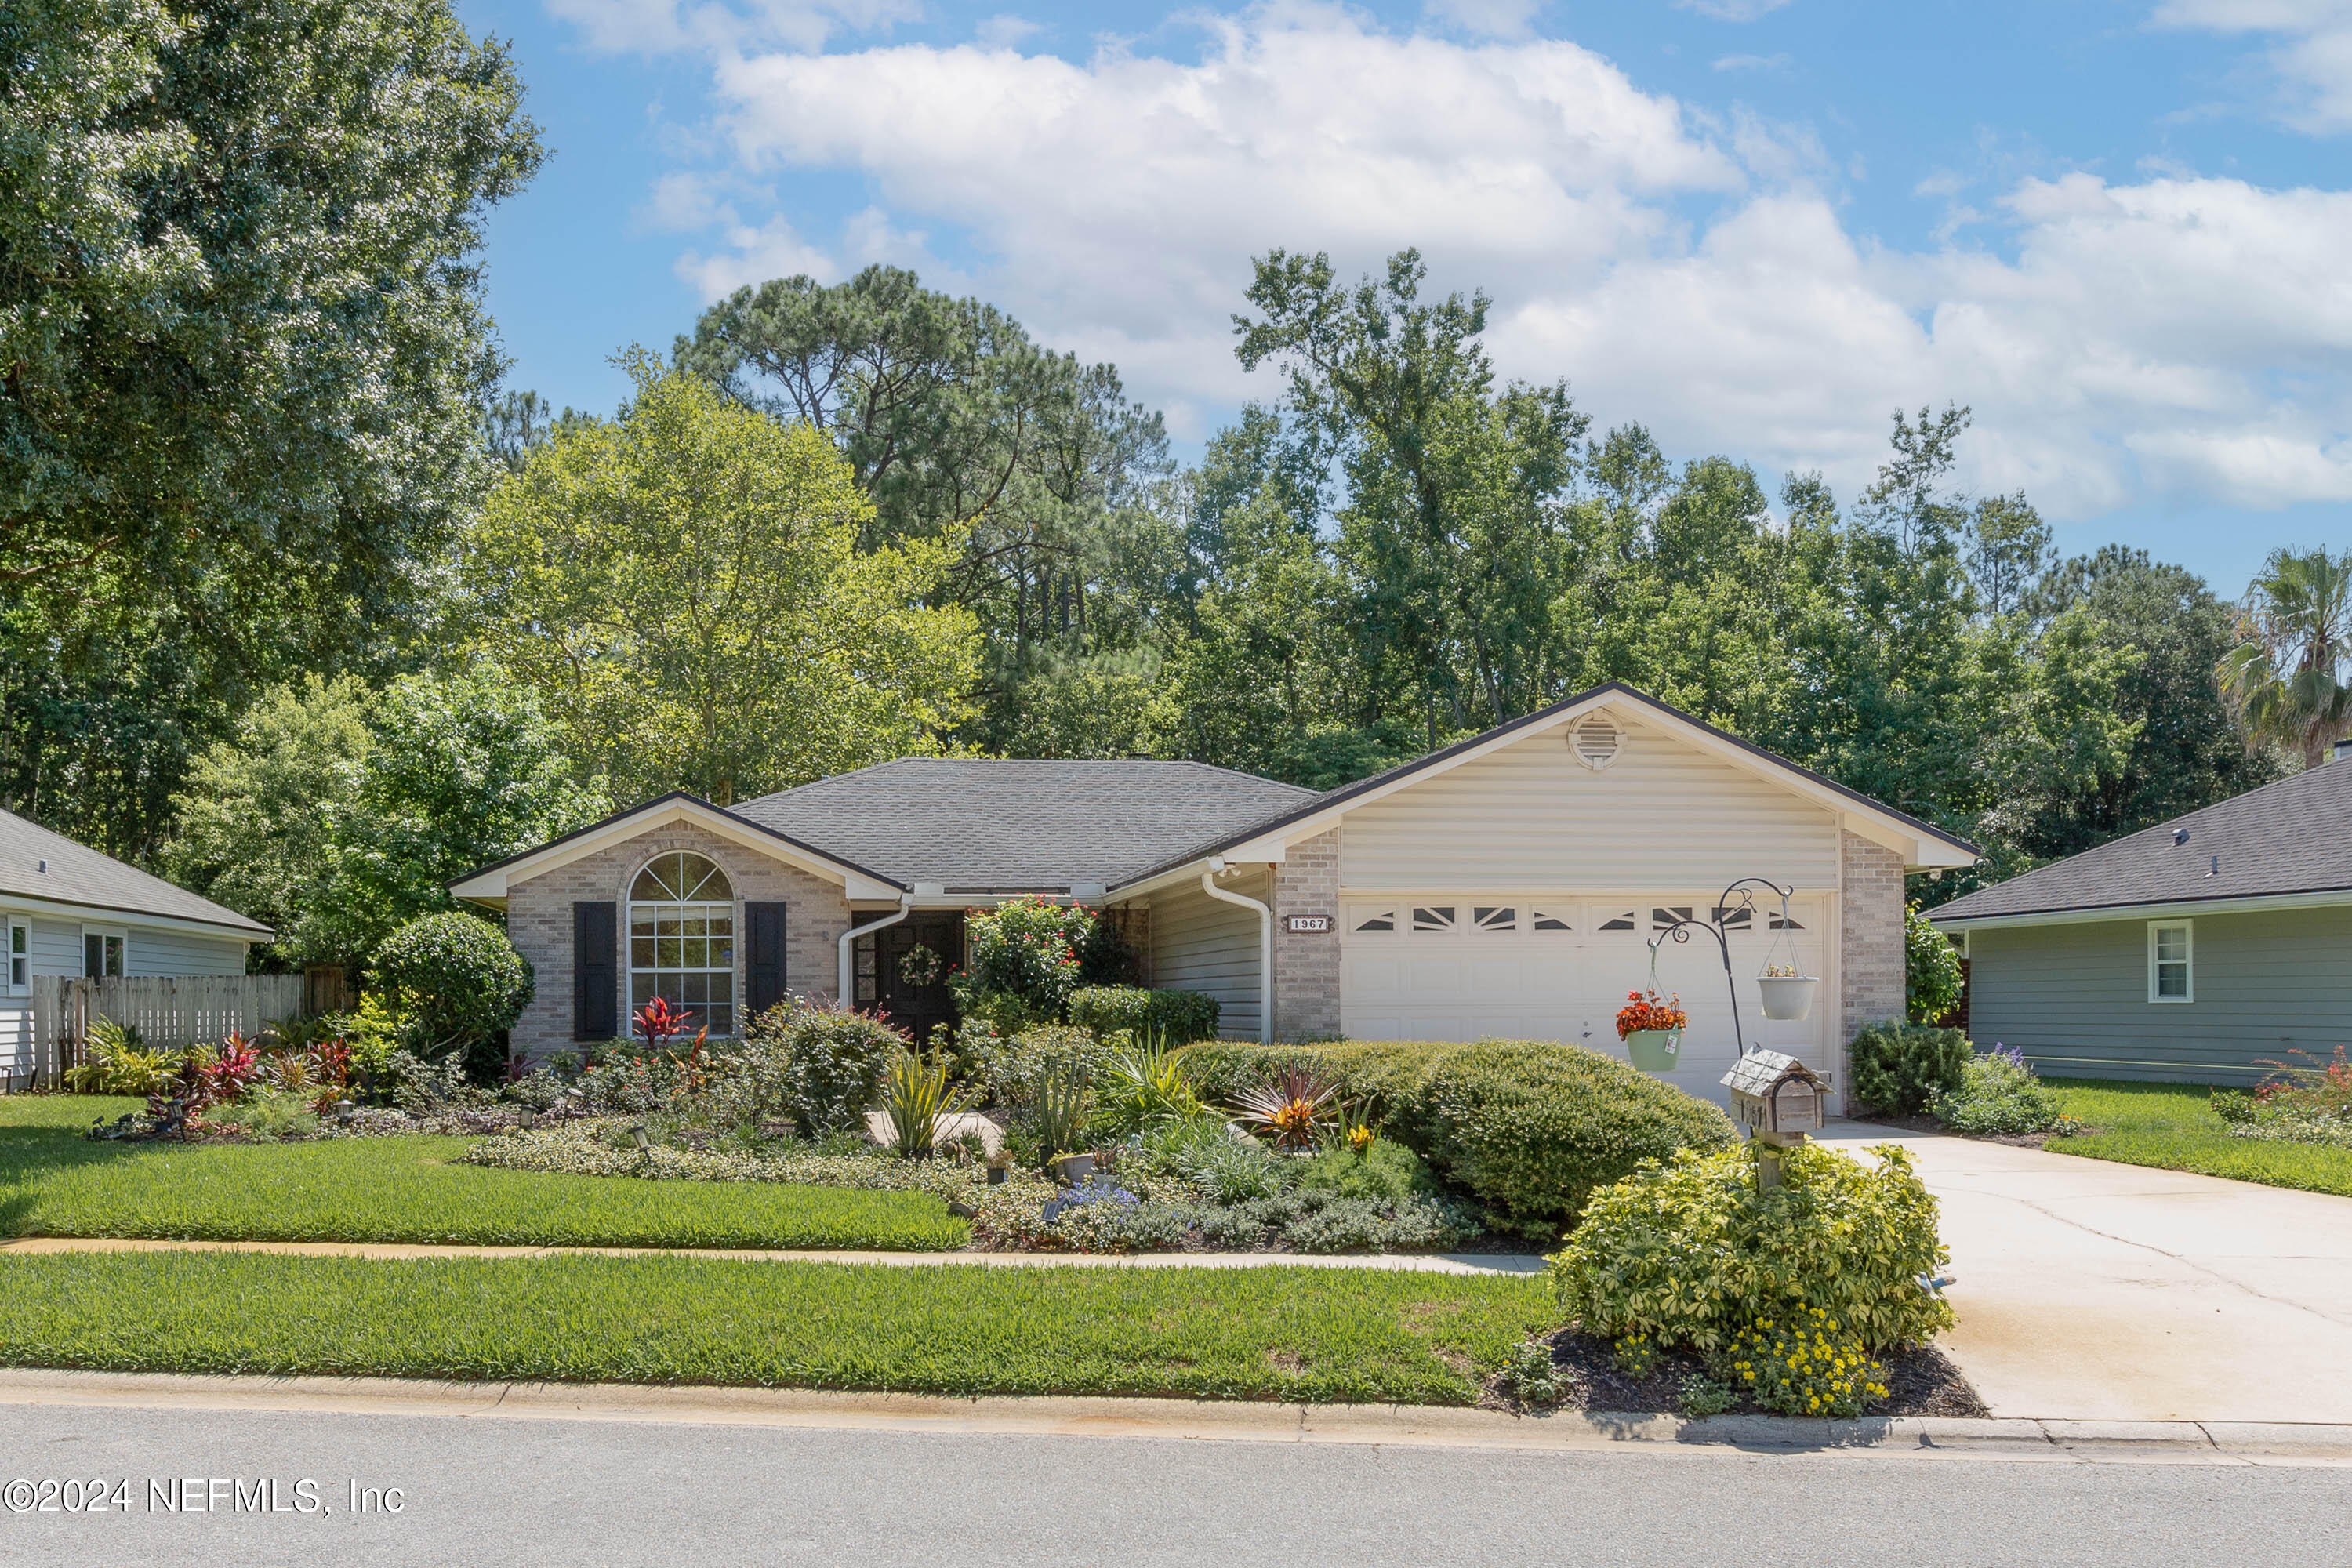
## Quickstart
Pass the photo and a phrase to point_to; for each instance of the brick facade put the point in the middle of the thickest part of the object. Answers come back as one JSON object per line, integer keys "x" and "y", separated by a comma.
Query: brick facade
{"x": 1871, "y": 969}
{"x": 538, "y": 919}
{"x": 1307, "y": 964}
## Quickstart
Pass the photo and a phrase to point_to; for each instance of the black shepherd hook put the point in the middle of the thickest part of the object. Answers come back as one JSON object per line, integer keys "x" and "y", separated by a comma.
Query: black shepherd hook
{"x": 1680, "y": 929}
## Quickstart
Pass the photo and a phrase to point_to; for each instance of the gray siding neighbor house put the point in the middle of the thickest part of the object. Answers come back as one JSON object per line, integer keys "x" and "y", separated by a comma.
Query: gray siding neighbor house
{"x": 2208, "y": 950}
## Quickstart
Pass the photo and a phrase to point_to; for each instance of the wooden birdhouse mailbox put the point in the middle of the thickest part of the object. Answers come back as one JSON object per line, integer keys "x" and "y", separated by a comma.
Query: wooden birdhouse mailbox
{"x": 1774, "y": 1096}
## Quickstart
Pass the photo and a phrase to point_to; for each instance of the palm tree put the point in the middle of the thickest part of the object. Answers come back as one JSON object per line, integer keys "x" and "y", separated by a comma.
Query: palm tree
{"x": 2287, "y": 676}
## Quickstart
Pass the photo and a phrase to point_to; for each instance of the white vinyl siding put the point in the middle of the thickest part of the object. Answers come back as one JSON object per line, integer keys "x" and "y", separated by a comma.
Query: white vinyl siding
{"x": 1529, "y": 816}
{"x": 2172, "y": 975}
{"x": 176, "y": 952}
{"x": 1201, "y": 944}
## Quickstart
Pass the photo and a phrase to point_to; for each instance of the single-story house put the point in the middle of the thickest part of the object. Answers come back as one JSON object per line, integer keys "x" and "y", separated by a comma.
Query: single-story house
{"x": 2201, "y": 950}
{"x": 71, "y": 910}
{"x": 1508, "y": 885}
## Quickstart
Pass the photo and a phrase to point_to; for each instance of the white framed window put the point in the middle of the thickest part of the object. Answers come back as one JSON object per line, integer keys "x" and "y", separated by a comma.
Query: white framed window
{"x": 2171, "y": 961}
{"x": 1494, "y": 917}
{"x": 1433, "y": 916}
{"x": 105, "y": 949}
{"x": 682, "y": 939}
{"x": 20, "y": 956}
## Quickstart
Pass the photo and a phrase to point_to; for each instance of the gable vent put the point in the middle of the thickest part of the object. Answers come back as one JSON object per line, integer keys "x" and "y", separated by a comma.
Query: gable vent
{"x": 1595, "y": 741}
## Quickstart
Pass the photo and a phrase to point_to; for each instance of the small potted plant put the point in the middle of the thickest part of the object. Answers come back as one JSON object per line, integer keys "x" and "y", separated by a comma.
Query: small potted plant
{"x": 1652, "y": 1029}
{"x": 1000, "y": 1164}
{"x": 1787, "y": 994}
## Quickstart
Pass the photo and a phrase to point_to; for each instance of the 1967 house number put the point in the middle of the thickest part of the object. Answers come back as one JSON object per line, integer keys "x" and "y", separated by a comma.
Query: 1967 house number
{"x": 1306, "y": 922}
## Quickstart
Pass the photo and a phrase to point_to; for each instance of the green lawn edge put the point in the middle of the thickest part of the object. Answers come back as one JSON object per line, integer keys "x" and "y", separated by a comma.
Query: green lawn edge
{"x": 409, "y": 1189}
{"x": 1274, "y": 1333}
{"x": 2172, "y": 1127}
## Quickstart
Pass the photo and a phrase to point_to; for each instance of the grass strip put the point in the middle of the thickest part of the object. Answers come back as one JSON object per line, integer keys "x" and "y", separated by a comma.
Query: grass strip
{"x": 2171, "y": 1126}
{"x": 1260, "y": 1333}
{"x": 55, "y": 1182}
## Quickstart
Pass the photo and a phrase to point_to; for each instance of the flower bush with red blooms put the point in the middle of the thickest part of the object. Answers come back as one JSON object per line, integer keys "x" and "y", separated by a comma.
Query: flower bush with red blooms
{"x": 1026, "y": 955}
{"x": 1646, "y": 1011}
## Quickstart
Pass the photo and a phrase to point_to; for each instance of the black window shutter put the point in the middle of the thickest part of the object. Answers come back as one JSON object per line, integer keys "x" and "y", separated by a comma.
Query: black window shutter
{"x": 763, "y": 973}
{"x": 595, "y": 982}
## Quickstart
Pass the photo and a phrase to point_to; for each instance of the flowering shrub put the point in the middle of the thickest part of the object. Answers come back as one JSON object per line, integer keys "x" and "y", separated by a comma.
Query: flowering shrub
{"x": 1803, "y": 1364}
{"x": 1646, "y": 1012}
{"x": 1694, "y": 1250}
{"x": 1999, "y": 1094}
{"x": 2298, "y": 1105}
{"x": 1024, "y": 961}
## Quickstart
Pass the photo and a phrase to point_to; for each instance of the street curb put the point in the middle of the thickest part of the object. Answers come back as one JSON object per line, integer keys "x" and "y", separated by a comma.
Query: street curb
{"x": 1431, "y": 1426}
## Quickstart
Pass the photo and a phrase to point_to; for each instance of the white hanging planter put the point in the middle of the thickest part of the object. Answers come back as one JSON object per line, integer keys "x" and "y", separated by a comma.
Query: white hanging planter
{"x": 1788, "y": 997}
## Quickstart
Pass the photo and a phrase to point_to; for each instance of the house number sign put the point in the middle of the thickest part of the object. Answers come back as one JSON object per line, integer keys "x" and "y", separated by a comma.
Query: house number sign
{"x": 1306, "y": 922}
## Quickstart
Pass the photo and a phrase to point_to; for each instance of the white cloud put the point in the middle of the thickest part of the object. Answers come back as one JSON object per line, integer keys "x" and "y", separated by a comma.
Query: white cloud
{"x": 2313, "y": 58}
{"x": 1486, "y": 18}
{"x": 2176, "y": 337}
{"x": 1003, "y": 31}
{"x": 1732, "y": 10}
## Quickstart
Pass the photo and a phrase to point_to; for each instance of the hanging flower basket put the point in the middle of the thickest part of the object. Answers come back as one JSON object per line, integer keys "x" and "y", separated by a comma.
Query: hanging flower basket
{"x": 1788, "y": 996}
{"x": 1652, "y": 1029}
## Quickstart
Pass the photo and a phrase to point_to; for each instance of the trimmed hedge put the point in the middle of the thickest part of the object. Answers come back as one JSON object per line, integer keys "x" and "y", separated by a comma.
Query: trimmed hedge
{"x": 1184, "y": 1016}
{"x": 1902, "y": 1067}
{"x": 1527, "y": 1127}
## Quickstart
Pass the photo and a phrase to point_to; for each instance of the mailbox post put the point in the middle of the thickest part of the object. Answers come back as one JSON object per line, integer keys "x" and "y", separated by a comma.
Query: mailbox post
{"x": 1776, "y": 1099}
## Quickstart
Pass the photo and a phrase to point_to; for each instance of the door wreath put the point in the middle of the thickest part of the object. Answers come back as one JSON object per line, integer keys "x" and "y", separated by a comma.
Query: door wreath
{"x": 921, "y": 965}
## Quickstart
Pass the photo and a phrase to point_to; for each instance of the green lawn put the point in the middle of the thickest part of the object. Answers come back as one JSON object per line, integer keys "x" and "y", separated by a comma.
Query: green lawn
{"x": 1345, "y": 1335}
{"x": 2172, "y": 1125}
{"x": 55, "y": 1182}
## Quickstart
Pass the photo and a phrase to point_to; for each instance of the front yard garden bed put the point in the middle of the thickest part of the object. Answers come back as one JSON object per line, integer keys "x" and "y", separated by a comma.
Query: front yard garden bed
{"x": 1920, "y": 1381}
{"x": 1212, "y": 1333}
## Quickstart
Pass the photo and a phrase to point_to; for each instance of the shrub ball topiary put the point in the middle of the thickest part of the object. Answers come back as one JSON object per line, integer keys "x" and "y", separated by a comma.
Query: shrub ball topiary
{"x": 1525, "y": 1127}
{"x": 1694, "y": 1250}
{"x": 1899, "y": 1068}
{"x": 821, "y": 1067}
{"x": 454, "y": 979}
{"x": 1179, "y": 1016}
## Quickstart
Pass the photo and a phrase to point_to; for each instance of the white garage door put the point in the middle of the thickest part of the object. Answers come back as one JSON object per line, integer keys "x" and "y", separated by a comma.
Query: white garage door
{"x": 1473, "y": 966}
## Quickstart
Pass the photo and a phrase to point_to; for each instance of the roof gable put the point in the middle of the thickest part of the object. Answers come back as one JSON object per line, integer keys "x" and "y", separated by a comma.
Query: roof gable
{"x": 2290, "y": 838}
{"x": 1920, "y": 843}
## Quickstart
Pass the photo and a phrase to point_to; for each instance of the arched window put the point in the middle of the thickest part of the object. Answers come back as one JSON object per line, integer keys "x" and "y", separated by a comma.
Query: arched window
{"x": 682, "y": 939}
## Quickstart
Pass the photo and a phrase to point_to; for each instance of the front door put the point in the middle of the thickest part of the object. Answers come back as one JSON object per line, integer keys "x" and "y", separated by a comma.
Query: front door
{"x": 910, "y": 971}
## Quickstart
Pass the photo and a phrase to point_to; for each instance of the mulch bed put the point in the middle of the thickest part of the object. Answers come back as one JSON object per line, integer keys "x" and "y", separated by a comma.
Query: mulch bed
{"x": 1920, "y": 1381}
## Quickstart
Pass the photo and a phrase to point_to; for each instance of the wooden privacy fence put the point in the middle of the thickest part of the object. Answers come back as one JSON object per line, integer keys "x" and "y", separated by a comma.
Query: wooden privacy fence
{"x": 186, "y": 1010}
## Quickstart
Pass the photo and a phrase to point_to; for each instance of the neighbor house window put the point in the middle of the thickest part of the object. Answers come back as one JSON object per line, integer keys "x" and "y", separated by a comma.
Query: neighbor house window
{"x": 682, "y": 939}
{"x": 2170, "y": 951}
{"x": 20, "y": 957}
{"x": 102, "y": 953}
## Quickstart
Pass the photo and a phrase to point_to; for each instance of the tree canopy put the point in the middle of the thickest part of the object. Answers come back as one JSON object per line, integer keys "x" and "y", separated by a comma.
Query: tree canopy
{"x": 684, "y": 587}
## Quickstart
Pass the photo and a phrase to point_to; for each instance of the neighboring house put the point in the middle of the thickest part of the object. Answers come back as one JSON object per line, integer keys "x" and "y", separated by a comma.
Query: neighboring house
{"x": 72, "y": 910}
{"x": 1507, "y": 885}
{"x": 2202, "y": 950}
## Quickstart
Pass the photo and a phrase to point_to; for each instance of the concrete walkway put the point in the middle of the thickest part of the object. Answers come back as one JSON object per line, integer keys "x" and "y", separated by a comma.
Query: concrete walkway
{"x": 2092, "y": 1291}
{"x": 1407, "y": 1263}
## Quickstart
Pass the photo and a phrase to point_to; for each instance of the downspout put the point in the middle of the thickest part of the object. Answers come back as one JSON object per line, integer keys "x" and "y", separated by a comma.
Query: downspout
{"x": 1265, "y": 945}
{"x": 848, "y": 993}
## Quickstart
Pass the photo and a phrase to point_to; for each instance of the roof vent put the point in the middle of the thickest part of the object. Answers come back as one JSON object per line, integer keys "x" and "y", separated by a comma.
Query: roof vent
{"x": 2342, "y": 750}
{"x": 1595, "y": 741}
{"x": 2180, "y": 835}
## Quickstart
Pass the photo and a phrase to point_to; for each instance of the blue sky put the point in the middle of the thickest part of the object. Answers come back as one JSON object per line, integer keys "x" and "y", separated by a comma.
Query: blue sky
{"x": 2114, "y": 230}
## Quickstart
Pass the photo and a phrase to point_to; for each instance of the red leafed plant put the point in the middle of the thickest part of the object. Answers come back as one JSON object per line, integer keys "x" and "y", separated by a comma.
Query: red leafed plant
{"x": 658, "y": 1021}
{"x": 1646, "y": 1011}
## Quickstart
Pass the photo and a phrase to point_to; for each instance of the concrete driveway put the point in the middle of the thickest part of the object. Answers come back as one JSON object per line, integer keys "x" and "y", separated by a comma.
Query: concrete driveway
{"x": 2091, "y": 1290}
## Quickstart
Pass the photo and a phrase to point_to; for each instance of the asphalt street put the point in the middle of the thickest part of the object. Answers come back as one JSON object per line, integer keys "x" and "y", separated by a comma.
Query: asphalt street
{"x": 227, "y": 1487}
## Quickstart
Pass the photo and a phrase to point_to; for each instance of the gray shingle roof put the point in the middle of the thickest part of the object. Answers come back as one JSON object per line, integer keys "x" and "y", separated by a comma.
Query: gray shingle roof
{"x": 986, "y": 824}
{"x": 77, "y": 874}
{"x": 2292, "y": 836}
